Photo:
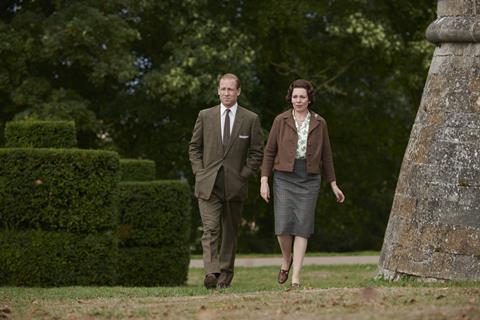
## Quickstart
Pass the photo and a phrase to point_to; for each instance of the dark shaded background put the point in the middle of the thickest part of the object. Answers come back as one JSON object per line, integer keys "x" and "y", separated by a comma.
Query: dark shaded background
{"x": 134, "y": 74}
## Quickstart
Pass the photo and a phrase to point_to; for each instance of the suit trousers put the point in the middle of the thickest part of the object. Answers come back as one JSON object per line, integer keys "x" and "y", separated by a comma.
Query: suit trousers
{"x": 220, "y": 218}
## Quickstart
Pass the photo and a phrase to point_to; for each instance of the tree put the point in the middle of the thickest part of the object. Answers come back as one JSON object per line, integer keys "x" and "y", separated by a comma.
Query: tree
{"x": 134, "y": 75}
{"x": 182, "y": 52}
{"x": 63, "y": 59}
{"x": 368, "y": 61}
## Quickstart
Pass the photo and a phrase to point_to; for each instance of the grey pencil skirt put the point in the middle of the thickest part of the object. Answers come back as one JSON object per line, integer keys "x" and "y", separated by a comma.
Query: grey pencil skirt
{"x": 295, "y": 196}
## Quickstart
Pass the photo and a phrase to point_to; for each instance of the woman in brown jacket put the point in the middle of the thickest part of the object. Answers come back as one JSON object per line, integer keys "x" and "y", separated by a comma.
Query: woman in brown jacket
{"x": 299, "y": 154}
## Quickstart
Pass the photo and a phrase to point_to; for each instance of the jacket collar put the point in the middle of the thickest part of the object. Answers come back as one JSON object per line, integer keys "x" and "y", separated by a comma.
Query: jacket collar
{"x": 288, "y": 117}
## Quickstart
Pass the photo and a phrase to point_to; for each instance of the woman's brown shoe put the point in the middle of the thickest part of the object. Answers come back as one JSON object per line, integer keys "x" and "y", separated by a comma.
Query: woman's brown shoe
{"x": 283, "y": 274}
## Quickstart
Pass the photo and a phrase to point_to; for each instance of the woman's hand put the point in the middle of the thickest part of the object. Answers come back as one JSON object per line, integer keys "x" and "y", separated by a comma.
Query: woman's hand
{"x": 337, "y": 192}
{"x": 264, "y": 189}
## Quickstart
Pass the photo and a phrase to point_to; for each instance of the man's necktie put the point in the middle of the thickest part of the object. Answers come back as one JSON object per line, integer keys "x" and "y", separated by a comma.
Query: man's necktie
{"x": 226, "y": 128}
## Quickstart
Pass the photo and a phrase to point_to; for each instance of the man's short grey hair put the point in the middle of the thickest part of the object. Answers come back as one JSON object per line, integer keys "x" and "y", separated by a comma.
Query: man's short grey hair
{"x": 230, "y": 76}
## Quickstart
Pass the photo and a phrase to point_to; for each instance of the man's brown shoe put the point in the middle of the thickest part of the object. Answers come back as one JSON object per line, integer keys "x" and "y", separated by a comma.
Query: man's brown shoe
{"x": 223, "y": 285}
{"x": 210, "y": 281}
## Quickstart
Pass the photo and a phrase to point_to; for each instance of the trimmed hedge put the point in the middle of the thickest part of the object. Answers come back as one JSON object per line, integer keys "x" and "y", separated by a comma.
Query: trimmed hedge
{"x": 147, "y": 266}
{"x": 137, "y": 170}
{"x": 40, "y": 134}
{"x": 38, "y": 258}
{"x": 154, "y": 213}
{"x": 154, "y": 232}
{"x": 58, "y": 189}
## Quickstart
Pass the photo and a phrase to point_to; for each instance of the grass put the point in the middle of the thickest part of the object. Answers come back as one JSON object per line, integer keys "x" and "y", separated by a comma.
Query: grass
{"x": 308, "y": 254}
{"x": 344, "y": 291}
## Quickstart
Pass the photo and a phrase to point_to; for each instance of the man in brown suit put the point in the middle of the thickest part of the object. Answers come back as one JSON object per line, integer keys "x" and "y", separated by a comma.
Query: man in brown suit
{"x": 225, "y": 149}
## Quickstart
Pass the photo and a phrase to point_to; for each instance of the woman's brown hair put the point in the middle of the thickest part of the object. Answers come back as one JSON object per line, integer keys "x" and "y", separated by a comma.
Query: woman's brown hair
{"x": 301, "y": 83}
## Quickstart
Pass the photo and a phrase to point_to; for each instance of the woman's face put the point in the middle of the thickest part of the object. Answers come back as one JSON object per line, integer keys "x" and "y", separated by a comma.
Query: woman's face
{"x": 300, "y": 100}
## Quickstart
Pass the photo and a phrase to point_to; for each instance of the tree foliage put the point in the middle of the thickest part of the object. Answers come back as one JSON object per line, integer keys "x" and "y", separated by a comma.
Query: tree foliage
{"x": 63, "y": 60}
{"x": 134, "y": 74}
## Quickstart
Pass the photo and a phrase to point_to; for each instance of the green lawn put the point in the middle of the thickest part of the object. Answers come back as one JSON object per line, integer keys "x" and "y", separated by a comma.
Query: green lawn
{"x": 308, "y": 254}
{"x": 327, "y": 290}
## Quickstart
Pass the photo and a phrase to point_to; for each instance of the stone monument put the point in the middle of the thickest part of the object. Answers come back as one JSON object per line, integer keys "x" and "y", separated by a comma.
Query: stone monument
{"x": 434, "y": 226}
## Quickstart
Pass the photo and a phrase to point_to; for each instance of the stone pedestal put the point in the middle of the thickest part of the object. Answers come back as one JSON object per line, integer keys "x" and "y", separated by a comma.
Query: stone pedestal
{"x": 434, "y": 225}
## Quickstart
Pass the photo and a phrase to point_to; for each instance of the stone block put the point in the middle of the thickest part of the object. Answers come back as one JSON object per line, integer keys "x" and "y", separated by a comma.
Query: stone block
{"x": 405, "y": 206}
{"x": 442, "y": 153}
{"x": 461, "y": 134}
{"x": 455, "y": 7}
{"x": 440, "y": 59}
{"x": 472, "y": 49}
{"x": 466, "y": 268}
{"x": 445, "y": 50}
{"x": 404, "y": 178}
{"x": 469, "y": 177}
{"x": 412, "y": 184}
{"x": 438, "y": 192}
{"x": 460, "y": 240}
{"x": 468, "y": 155}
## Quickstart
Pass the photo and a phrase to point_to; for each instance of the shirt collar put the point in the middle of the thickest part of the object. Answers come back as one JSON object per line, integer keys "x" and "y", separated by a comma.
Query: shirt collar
{"x": 233, "y": 109}
{"x": 307, "y": 118}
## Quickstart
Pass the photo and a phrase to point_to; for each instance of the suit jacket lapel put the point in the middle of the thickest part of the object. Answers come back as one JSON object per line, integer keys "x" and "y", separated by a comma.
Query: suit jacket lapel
{"x": 237, "y": 124}
{"x": 217, "y": 127}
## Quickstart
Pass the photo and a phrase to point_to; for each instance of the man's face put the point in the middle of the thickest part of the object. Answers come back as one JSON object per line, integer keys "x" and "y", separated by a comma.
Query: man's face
{"x": 228, "y": 92}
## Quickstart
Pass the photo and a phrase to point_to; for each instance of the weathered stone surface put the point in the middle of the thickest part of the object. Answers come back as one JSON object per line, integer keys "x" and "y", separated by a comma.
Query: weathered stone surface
{"x": 457, "y": 49}
{"x": 454, "y": 29}
{"x": 459, "y": 120}
{"x": 434, "y": 251}
{"x": 469, "y": 178}
{"x": 456, "y": 7}
{"x": 434, "y": 225}
{"x": 466, "y": 135}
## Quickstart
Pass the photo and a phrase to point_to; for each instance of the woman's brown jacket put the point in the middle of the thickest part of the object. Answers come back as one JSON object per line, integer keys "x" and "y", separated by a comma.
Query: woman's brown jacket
{"x": 281, "y": 147}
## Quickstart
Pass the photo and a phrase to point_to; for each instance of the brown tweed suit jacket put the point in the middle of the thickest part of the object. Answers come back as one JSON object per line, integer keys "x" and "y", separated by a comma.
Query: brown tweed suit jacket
{"x": 240, "y": 159}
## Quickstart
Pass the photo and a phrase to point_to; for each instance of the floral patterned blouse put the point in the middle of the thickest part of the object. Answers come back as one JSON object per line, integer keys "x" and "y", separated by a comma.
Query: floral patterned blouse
{"x": 302, "y": 132}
